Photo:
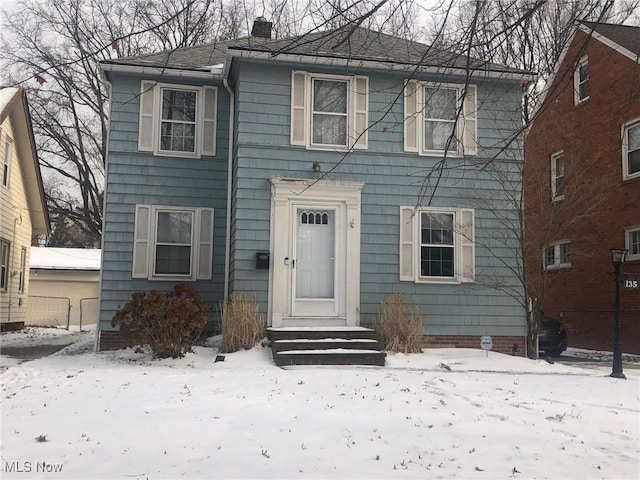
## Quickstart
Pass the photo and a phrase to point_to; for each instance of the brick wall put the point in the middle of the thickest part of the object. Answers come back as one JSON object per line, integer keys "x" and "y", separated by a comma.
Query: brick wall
{"x": 598, "y": 203}
{"x": 500, "y": 344}
{"x": 113, "y": 341}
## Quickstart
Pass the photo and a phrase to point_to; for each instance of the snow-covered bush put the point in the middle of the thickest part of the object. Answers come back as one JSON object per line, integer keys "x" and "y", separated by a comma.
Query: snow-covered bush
{"x": 170, "y": 323}
{"x": 399, "y": 327}
{"x": 242, "y": 325}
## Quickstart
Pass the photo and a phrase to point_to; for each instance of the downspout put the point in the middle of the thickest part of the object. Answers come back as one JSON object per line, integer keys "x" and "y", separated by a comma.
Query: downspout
{"x": 227, "y": 252}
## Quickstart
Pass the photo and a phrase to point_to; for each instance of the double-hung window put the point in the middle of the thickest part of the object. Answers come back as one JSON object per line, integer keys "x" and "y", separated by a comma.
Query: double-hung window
{"x": 5, "y": 249}
{"x": 177, "y": 120}
{"x": 581, "y": 81}
{"x": 557, "y": 255}
{"x": 437, "y": 245}
{"x": 329, "y": 112}
{"x": 631, "y": 149}
{"x": 557, "y": 176}
{"x": 440, "y": 118}
{"x": 632, "y": 240}
{"x": 172, "y": 243}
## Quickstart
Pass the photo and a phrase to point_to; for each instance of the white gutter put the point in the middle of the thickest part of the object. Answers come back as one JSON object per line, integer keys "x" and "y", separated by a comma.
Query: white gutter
{"x": 374, "y": 64}
{"x": 216, "y": 71}
{"x": 227, "y": 248}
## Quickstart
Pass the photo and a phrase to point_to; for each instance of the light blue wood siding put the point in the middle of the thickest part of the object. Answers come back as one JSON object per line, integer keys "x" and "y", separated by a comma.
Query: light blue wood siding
{"x": 135, "y": 177}
{"x": 392, "y": 178}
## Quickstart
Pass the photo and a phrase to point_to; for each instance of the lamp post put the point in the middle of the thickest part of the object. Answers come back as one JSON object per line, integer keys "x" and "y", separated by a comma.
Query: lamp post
{"x": 618, "y": 256}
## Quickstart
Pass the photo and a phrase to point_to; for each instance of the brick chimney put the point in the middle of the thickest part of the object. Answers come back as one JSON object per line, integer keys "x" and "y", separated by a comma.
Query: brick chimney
{"x": 261, "y": 28}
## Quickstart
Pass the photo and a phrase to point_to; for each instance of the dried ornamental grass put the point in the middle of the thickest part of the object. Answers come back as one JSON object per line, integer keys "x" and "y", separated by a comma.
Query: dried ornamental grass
{"x": 399, "y": 327}
{"x": 242, "y": 325}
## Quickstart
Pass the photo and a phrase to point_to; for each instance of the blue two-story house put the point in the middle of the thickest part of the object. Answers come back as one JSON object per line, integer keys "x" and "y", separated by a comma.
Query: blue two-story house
{"x": 320, "y": 174}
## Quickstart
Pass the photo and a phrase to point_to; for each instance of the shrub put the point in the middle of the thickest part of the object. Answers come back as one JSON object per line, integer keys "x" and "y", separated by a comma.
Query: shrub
{"x": 242, "y": 325}
{"x": 398, "y": 326}
{"x": 170, "y": 323}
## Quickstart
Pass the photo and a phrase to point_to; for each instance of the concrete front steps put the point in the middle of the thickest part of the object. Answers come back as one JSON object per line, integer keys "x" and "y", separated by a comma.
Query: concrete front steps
{"x": 325, "y": 346}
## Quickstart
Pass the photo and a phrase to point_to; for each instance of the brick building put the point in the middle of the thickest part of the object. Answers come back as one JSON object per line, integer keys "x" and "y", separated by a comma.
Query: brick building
{"x": 582, "y": 187}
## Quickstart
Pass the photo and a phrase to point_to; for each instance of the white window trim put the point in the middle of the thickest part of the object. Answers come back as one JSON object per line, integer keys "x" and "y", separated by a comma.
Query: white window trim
{"x": 625, "y": 149}
{"x": 557, "y": 257}
{"x": 627, "y": 241}
{"x": 554, "y": 176}
{"x": 303, "y": 111}
{"x": 463, "y": 244}
{"x": 576, "y": 82}
{"x": 151, "y": 91}
{"x": 8, "y": 156}
{"x": 466, "y": 123}
{"x": 145, "y": 242}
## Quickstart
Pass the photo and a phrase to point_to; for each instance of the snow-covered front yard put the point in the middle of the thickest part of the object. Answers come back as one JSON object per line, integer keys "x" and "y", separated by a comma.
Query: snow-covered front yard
{"x": 442, "y": 414}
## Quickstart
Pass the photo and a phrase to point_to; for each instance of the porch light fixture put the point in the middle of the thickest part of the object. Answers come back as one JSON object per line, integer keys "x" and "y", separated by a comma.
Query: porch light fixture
{"x": 316, "y": 167}
{"x": 618, "y": 256}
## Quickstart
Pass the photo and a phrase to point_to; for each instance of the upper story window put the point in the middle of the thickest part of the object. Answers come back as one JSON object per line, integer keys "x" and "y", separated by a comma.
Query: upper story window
{"x": 557, "y": 255}
{"x": 631, "y": 150}
{"x": 329, "y": 117}
{"x": 177, "y": 120}
{"x": 581, "y": 81}
{"x": 437, "y": 245}
{"x": 329, "y": 112}
{"x": 557, "y": 176}
{"x": 632, "y": 240}
{"x": 440, "y": 118}
{"x": 6, "y": 162}
{"x": 172, "y": 243}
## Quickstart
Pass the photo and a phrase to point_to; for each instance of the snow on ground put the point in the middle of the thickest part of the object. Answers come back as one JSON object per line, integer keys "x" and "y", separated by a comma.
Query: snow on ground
{"x": 447, "y": 413}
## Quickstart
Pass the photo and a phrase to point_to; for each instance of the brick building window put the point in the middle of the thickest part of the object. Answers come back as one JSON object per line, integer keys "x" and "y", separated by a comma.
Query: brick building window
{"x": 581, "y": 81}
{"x": 557, "y": 176}
{"x": 557, "y": 255}
{"x": 632, "y": 240}
{"x": 631, "y": 149}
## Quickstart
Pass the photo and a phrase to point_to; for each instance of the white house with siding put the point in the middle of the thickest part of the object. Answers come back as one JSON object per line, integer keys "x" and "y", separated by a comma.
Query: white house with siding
{"x": 23, "y": 212}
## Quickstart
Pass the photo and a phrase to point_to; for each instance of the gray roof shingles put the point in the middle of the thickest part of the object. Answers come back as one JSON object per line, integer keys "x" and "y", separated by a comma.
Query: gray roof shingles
{"x": 624, "y": 35}
{"x": 359, "y": 44}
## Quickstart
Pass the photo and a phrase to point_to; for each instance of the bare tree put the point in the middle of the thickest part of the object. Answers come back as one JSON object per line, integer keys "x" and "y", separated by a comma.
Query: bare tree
{"x": 53, "y": 48}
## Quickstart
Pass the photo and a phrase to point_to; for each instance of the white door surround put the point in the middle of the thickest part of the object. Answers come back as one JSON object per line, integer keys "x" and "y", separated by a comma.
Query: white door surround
{"x": 337, "y": 301}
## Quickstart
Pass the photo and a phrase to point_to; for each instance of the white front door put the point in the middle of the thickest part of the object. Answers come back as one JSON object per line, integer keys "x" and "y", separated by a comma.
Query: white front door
{"x": 315, "y": 257}
{"x": 314, "y": 272}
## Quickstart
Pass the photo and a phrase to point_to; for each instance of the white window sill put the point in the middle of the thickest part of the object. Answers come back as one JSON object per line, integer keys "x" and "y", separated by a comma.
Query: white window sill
{"x": 438, "y": 280}
{"x": 562, "y": 266}
{"x": 577, "y": 102}
{"x": 172, "y": 278}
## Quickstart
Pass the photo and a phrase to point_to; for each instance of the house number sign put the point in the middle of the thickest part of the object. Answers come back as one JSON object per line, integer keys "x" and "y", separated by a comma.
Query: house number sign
{"x": 632, "y": 284}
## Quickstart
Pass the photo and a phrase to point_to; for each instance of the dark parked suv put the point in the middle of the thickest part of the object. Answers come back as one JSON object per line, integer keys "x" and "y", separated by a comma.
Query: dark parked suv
{"x": 552, "y": 337}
